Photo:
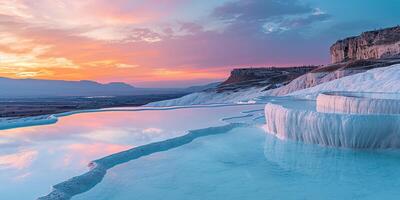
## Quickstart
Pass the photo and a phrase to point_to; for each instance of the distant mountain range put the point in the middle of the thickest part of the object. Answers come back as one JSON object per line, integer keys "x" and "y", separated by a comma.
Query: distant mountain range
{"x": 41, "y": 88}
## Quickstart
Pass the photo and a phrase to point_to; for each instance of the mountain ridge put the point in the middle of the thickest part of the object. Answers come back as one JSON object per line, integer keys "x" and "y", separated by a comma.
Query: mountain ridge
{"x": 11, "y": 87}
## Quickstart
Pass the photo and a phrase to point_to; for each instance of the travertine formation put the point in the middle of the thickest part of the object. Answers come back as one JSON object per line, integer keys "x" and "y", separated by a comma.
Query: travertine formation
{"x": 329, "y": 73}
{"x": 359, "y": 103}
{"x": 299, "y": 123}
{"x": 383, "y": 43}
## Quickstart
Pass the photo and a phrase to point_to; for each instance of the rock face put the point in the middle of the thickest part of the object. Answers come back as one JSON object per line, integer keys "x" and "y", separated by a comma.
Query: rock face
{"x": 268, "y": 77}
{"x": 384, "y": 43}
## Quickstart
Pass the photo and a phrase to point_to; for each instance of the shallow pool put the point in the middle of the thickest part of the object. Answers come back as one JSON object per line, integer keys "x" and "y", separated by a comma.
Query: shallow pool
{"x": 246, "y": 163}
{"x": 33, "y": 159}
{"x": 239, "y": 162}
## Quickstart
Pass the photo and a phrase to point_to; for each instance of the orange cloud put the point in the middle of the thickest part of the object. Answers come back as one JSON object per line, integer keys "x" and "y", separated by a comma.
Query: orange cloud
{"x": 91, "y": 39}
{"x": 138, "y": 42}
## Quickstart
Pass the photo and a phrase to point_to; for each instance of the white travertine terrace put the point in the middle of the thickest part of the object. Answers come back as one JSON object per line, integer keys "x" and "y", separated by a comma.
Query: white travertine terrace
{"x": 371, "y": 123}
{"x": 359, "y": 103}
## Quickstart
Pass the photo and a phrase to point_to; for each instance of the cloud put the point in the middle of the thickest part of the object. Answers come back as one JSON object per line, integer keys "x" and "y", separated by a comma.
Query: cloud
{"x": 190, "y": 27}
{"x": 122, "y": 65}
{"x": 307, "y": 20}
{"x": 253, "y": 10}
{"x": 287, "y": 24}
{"x": 269, "y": 16}
{"x": 152, "y": 131}
{"x": 142, "y": 42}
{"x": 68, "y": 14}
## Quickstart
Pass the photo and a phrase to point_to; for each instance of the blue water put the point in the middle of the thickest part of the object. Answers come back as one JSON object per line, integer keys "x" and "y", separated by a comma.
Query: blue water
{"x": 246, "y": 163}
{"x": 33, "y": 159}
{"x": 240, "y": 163}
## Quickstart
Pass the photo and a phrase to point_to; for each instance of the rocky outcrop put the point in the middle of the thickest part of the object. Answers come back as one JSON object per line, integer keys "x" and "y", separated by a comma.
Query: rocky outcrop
{"x": 268, "y": 78}
{"x": 383, "y": 43}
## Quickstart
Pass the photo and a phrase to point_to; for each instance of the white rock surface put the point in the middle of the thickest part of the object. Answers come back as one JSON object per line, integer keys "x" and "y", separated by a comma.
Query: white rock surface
{"x": 385, "y": 79}
{"x": 310, "y": 80}
{"x": 359, "y": 103}
{"x": 332, "y": 129}
{"x": 244, "y": 96}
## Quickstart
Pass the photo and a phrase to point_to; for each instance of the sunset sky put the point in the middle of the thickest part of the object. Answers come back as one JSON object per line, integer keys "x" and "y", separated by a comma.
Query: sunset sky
{"x": 169, "y": 43}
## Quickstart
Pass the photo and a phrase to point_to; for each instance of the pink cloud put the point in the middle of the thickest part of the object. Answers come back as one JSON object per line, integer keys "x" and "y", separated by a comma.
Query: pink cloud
{"x": 91, "y": 39}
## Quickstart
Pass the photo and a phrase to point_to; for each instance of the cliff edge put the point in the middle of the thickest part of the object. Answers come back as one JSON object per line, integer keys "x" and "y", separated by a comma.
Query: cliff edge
{"x": 378, "y": 44}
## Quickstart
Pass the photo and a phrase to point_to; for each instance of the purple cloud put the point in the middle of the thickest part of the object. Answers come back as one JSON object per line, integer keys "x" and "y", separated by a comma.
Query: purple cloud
{"x": 252, "y": 10}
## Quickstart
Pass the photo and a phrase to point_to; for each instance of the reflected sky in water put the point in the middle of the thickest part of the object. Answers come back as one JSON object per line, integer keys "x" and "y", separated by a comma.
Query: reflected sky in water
{"x": 35, "y": 158}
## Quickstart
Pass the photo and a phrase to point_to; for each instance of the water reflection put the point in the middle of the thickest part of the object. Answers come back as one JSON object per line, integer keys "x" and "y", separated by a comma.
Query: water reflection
{"x": 329, "y": 162}
{"x": 35, "y": 158}
{"x": 19, "y": 160}
{"x": 246, "y": 163}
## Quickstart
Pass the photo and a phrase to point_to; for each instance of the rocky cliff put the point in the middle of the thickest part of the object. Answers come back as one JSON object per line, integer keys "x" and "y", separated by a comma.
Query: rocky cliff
{"x": 268, "y": 77}
{"x": 383, "y": 43}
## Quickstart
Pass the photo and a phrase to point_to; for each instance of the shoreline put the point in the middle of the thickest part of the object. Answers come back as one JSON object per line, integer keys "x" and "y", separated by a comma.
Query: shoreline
{"x": 17, "y": 108}
{"x": 11, "y": 123}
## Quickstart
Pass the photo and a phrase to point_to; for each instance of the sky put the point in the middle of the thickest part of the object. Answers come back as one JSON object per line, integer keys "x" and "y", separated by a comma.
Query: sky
{"x": 175, "y": 43}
